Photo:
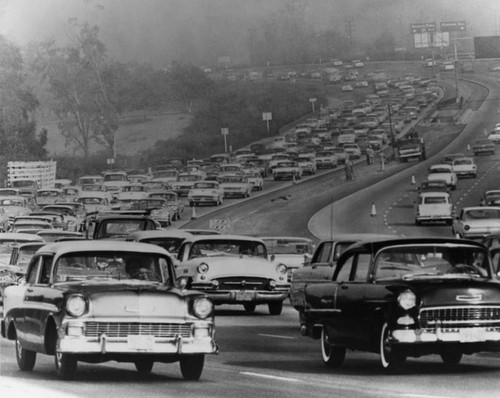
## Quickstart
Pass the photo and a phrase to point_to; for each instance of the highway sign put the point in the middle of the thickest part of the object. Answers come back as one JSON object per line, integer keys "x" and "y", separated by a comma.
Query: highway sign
{"x": 423, "y": 27}
{"x": 453, "y": 26}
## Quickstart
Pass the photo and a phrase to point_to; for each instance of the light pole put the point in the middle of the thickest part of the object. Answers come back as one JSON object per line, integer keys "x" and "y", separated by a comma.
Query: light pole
{"x": 225, "y": 131}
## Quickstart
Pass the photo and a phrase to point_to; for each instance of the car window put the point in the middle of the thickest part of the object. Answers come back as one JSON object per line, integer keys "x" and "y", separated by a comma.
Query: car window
{"x": 46, "y": 268}
{"x": 322, "y": 253}
{"x": 362, "y": 266}
{"x": 32, "y": 275}
{"x": 345, "y": 271}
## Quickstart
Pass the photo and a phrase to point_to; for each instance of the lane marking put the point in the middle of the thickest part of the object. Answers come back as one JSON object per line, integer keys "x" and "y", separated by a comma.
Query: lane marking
{"x": 270, "y": 377}
{"x": 277, "y": 336}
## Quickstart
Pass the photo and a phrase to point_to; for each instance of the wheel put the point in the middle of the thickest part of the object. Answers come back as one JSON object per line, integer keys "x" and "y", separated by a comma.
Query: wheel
{"x": 249, "y": 307}
{"x": 191, "y": 204}
{"x": 418, "y": 222}
{"x": 25, "y": 358}
{"x": 451, "y": 357}
{"x": 192, "y": 366}
{"x": 65, "y": 365}
{"x": 390, "y": 358}
{"x": 144, "y": 367}
{"x": 333, "y": 356}
{"x": 275, "y": 307}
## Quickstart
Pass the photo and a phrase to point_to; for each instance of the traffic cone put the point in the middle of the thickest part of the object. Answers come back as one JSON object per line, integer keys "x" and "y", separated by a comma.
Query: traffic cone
{"x": 374, "y": 211}
{"x": 193, "y": 213}
{"x": 294, "y": 179}
{"x": 468, "y": 147}
{"x": 413, "y": 182}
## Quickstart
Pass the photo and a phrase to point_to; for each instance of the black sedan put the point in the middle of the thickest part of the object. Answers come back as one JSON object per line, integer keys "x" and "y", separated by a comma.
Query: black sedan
{"x": 406, "y": 297}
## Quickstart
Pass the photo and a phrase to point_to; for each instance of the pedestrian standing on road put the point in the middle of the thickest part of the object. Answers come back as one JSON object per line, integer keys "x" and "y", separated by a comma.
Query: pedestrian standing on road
{"x": 382, "y": 161}
{"x": 351, "y": 170}
{"x": 348, "y": 169}
{"x": 370, "y": 155}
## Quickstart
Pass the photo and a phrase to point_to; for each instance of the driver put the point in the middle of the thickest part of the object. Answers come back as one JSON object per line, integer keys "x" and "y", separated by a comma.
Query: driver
{"x": 136, "y": 268}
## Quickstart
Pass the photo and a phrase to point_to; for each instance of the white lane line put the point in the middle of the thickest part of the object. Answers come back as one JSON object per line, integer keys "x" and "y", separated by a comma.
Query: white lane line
{"x": 277, "y": 336}
{"x": 424, "y": 395}
{"x": 269, "y": 376}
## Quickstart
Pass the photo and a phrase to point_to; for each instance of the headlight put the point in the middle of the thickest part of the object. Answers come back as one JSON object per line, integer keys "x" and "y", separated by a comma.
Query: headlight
{"x": 466, "y": 227}
{"x": 202, "y": 307}
{"x": 407, "y": 299}
{"x": 76, "y": 305}
{"x": 202, "y": 268}
{"x": 281, "y": 268}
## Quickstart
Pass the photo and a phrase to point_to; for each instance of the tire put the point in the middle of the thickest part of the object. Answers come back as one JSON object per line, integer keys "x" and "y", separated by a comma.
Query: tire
{"x": 450, "y": 357}
{"x": 390, "y": 359}
{"x": 333, "y": 356}
{"x": 417, "y": 222}
{"x": 192, "y": 366}
{"x": 25, "y": 358}
{"x": 249, "y": 307}
{"x": 65, "y": 365}
{"x": 191, "y": 204}
{"x": 275, "y": 307}
{"x": 144, "y": 367}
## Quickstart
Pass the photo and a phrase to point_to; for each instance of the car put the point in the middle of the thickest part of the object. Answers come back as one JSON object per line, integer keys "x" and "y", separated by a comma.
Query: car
{"x": 94, "y": 201}
{"x": 175, "y": 206}
{"x": 292, "y": 251}
{"x": 48, "y": 196}
{"x": 185, "y": 182}
{"x": 236, "y": 185}
{"x": 307, "y": 163}
{"x": 443, "y": 172}
{"x": 433, "y": 207}
{"x": 434, "y": 186}
{"x": 165, "y": 177}
{"x": 234, "y": 269}
{"x": 255, "y": 178}
{"x": 353, "y": 150}
{"x": 490, "y": 198}
{"x": 483, "y": 147}
{"x": 92, "y": 302}
{"x": 116, "y": 225}
{"x": 115, "y": 180}
{"x": 287, "y": 170}
{"x": 464, "y": 167}
{"x": 476, "y": 222}
{"x": 494, "y": 137}
{"x": 406, "y": 297}
{"x": 71, "y": 219}
{"x": 347, "y": 87}
{"x": 206, "y": 192}
{"x": 448, "y": 158}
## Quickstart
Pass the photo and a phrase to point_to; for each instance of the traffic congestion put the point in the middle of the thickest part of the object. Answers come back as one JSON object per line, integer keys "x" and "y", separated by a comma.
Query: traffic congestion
{"x": 358, "y": 246}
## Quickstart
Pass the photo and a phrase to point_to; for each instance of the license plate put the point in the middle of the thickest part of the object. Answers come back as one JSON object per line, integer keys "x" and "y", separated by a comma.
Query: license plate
{"x": 472, "y": 335}
{"x": 244, "y": 296}
{"x": 140, "y": 342}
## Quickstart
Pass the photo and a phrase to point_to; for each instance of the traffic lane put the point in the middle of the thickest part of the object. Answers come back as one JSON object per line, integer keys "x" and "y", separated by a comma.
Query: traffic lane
{"x": 263, "y": 355}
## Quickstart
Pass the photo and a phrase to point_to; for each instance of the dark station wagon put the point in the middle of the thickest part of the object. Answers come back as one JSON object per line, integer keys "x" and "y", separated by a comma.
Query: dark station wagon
{"x": 406, "y": 297}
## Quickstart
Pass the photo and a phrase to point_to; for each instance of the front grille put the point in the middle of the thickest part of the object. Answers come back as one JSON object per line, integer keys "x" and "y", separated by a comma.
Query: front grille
{"x": 124, "y": 329}
{"x": 460, "y": 316}
{"x": 240, "y": 283}
{"x": 203, "y": 197}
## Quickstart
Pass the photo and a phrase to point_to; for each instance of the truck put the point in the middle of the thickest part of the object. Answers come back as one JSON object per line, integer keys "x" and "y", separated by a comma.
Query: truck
{"x": 30, "y": 176}
{"x": 433, "y": 207}
{"x": 411, "y": 148}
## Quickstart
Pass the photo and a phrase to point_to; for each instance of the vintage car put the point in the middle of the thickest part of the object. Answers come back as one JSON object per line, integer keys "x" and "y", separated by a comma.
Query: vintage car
{"x": 234, "y": 269}
{"x": 170, "y": 239}
{"x": 307, "y": 164}
{"x": 90, "y": 180}
{"x": 322, "y": 264}
{"x": 287, "y": 170}
{"x": 15, "y": 206}
{"x": 158, "y": 209}
{"x": 91, "y": 302}
{"x": 70, "y": 192}
{"x": 49, "y": 196}
{"x": 449, "y": 157}
{"x": 464, "y": 167}
{"x": 406, "y": 297}
{"x": 443, "y": 172}
{"x": 206, "y": 192}
{"x": 477, "y": 222}
{"x": 116, "y": 225}
{"x": 491, "y": 198}
{"x": 433, "y": 207}
{"x": 255, "y": 179}
{"x": 293, "y": 251}
{"x": 175, "y": 206}
{"x": 184, "y": 183}
{"x": 165, "y": 177}
{"x": 327, "y": 159}
{"x": 72, "y": 217}
{"x": 483, "y": 147}
{"x": 236, "y": 185}
{"x": 115, "y": 180}
{"x": 434, "y": 186}
{"x": 95, "y": 201}
{"x": 30, "y": 224}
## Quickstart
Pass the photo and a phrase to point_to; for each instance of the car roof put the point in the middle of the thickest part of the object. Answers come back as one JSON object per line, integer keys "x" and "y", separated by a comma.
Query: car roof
{"x": 61, "y": 248}
{"x": 169, "y": 233}
{"x": 19, "y": 236}
{"x": 434, "y": 193}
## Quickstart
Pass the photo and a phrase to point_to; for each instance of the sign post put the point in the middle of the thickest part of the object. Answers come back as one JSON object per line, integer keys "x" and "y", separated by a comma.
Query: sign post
{"x": 225, "y": 131}
{"x": 267, "y": 116}
{"x": 312, "y": 101}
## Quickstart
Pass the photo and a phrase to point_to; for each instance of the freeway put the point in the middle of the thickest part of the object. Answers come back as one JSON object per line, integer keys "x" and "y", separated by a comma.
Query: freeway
{"x": 265, "y": 356}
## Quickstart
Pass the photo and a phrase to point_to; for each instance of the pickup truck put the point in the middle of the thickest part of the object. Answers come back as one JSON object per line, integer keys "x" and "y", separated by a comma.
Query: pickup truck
{"x": 116, "y": 225}
{"x": 433, "y": 207}
{"x": 412, "y": 148}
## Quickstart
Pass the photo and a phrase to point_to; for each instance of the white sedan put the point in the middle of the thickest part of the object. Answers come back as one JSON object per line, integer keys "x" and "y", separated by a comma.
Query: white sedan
{"x": 477, "y": 222}
{"x": 495, "y": 137}
{"x": 443, "y": 172}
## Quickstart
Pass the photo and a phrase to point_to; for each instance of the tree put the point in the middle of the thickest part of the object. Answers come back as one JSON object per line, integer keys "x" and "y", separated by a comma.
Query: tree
{"x": 18, "y": 140}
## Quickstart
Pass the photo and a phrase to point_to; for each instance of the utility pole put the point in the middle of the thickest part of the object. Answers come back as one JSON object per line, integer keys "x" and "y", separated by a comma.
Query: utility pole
{"x": 349, "y": 30}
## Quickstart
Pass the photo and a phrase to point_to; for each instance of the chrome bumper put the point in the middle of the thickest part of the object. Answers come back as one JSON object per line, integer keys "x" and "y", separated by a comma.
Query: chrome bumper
{"x": 455, "y": 335}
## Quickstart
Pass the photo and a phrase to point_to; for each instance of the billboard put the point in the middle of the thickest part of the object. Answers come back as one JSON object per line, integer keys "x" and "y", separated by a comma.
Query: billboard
{"x": 487, "y": 47}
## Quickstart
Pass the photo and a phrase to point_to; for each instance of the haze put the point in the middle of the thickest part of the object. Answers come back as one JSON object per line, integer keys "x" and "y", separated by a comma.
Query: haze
{"x": 160, "y": 31}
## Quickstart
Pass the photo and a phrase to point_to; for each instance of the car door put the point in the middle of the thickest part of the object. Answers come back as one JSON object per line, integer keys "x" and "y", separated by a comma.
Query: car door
{"x": 351, "y": 309}
{"x": 39, "y": 302}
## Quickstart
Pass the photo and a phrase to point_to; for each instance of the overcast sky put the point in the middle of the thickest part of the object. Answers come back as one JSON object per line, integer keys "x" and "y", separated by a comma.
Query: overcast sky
{"x": 152, "y": 31}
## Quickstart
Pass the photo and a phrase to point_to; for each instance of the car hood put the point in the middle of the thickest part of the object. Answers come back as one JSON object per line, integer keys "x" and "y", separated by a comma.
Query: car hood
{"x": 457, "y": 291}
{"x": 14, "y": 211}
{"x": 290, "y": 260}
{"x": 233, "y": 185}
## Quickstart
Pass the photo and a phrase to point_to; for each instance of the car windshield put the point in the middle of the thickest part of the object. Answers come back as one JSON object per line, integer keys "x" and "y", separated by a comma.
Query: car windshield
{"x": 481, "y": 214}
{"x": 232, "y": 179}
{"x": 188, "y": 178}
{"x": 205, "y": 185}
{"x": 437, "y": 170}
{"x": 12, "y": 202}
{"x": 91, "y": 201}
{"x": 435, "y": 200}
{"x": 171, "y": 244}
{"x": 288, "y": 246}
{"x": 88, "y": 266}
{"x": 115, "y": 177}
{"x": 443, "y": 261}
{"x": 227, "y": 247}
